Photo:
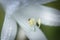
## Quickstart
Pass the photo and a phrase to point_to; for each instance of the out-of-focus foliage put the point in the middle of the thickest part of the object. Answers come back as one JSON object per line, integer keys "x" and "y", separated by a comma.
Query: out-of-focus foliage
{"x": 1, "y": 16}
{"x": 54, "y": 4}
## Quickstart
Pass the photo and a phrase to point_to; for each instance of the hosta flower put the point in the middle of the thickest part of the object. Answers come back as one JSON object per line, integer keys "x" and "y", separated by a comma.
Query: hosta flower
{"x": 17, "y": 12}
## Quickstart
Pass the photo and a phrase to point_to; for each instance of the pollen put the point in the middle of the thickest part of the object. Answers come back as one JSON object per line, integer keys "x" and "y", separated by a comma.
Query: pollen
{"x": 31, "y": 21}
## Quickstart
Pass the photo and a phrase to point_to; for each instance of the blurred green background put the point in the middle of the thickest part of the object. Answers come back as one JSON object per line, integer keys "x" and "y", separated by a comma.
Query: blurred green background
{"x": 51, "y": 32}
{"x": 53, "y": 4}
{"x": 2, "y": 14}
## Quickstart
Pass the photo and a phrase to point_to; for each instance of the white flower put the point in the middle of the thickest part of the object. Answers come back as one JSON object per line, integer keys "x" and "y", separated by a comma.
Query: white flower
{"x": 21, "y": 16}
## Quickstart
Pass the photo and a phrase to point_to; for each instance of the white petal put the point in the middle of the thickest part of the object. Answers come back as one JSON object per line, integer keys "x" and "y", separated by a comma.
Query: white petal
{"x": 9, "y": 29}
{"x": 22, "y": 16}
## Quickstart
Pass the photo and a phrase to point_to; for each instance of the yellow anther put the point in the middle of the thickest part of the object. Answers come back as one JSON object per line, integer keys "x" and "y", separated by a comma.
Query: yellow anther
{"x": 31, "y": 21}
{"x": 39, "y": 22}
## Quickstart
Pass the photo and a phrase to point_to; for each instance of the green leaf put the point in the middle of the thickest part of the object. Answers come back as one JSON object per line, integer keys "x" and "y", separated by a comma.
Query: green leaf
{"x": 2, "y": 15}
{"x": 54, "y": 4}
